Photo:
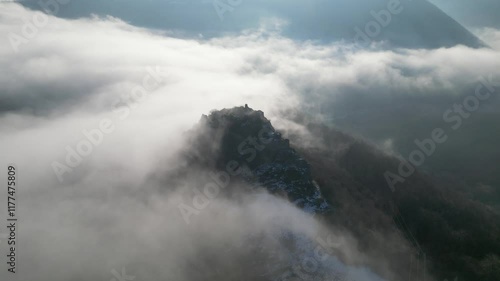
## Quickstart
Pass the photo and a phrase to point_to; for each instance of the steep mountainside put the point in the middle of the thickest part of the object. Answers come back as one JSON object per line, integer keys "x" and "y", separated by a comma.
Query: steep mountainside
{"x": 421, "y": 227}
{"x": 457, "y": 236}
{"x": 245, "y": 139}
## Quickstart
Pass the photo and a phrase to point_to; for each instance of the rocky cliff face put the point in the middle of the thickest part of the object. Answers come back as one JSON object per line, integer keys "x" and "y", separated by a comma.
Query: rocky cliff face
{"x": 244, "y": 139}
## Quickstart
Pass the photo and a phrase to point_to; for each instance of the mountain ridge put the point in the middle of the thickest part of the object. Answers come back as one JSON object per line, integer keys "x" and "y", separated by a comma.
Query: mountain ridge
{"x": 341, "y": 181}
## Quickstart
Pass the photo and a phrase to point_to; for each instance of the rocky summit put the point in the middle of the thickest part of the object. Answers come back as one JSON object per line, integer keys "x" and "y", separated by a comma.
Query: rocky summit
{"x": 243, "y": 138}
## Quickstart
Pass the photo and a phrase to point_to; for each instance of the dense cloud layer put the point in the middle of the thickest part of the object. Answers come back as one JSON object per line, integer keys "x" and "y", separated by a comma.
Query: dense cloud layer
{"x": 142, "y": 89}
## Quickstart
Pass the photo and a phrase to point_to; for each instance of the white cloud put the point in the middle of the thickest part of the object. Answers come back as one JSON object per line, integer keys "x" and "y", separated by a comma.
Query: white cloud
{"x": 489, "y": 35}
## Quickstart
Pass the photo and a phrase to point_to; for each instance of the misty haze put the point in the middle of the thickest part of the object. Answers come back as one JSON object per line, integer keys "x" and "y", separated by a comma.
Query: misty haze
{"x": 260, "y": 140}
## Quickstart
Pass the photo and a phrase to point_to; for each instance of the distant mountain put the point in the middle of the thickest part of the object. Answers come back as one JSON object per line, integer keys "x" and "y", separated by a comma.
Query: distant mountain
{"x": 404, "y": 23}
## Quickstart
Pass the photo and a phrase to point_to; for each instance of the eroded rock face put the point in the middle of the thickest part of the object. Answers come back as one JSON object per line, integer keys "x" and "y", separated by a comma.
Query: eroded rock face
{"x": 243, "y": 143}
